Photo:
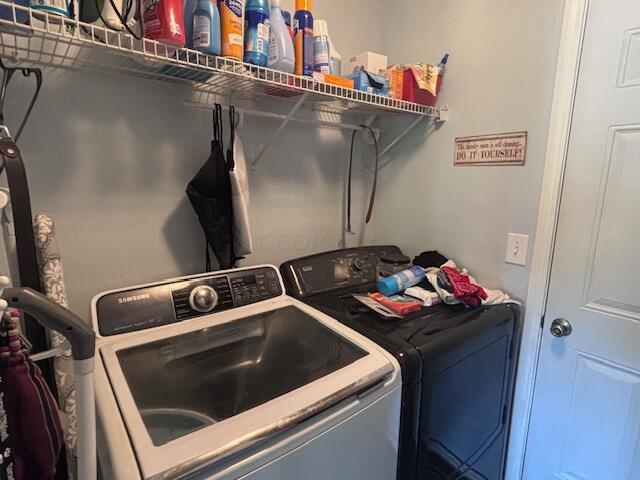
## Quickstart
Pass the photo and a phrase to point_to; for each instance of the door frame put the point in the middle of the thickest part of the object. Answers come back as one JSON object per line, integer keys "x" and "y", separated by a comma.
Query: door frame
{"x": 564, "y": 91}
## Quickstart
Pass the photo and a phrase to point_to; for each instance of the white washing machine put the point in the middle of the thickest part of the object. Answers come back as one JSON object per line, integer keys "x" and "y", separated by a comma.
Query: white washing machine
{"x": 222, "y": 376}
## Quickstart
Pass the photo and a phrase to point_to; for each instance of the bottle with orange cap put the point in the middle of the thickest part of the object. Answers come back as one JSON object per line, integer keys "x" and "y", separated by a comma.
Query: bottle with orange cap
{"x": 303, "y": 38}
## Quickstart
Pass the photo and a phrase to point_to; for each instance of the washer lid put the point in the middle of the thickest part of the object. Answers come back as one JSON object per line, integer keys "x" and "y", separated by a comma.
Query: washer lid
{"x": 190, "y": 397}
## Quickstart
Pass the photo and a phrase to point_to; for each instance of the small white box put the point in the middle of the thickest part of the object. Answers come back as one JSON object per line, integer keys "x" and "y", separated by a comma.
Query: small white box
{"x": 370, "y": 61}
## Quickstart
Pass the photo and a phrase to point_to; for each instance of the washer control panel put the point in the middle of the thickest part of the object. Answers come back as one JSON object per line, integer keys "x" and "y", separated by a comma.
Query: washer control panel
{"x": 135, "y": 309}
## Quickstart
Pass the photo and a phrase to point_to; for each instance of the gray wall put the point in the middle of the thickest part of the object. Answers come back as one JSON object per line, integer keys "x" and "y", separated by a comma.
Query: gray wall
{"x": 110, "y": 156}
{"x": 499, "y": 79}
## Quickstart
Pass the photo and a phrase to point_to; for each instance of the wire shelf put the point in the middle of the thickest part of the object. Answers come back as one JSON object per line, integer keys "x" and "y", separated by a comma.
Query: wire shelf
{"x": 34, "y": 37}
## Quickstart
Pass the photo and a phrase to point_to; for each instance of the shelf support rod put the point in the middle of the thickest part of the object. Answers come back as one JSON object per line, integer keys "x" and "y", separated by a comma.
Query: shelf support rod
{"x": 282, "y": 126}
{"x": 386, "y": 149}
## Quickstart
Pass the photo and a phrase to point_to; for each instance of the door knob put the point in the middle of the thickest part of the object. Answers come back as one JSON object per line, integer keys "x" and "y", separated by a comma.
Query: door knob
{"x": 561, "y": 328}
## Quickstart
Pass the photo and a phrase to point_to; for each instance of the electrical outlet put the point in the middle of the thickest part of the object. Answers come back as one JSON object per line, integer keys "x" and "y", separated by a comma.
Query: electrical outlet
{"x": 517, "y": 246}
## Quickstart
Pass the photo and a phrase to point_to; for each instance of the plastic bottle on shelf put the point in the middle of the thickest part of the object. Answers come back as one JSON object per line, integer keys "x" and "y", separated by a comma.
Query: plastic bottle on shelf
{"x": 401, "y": 281}
{"x": 163, "y": 21}
{"x": 442, "y": 68}
{"x": 336, "y": 59}
{"x": 287, "y": 21}
{"x": 58, "y": 7}
{"x": 303, "y": 37}
{"x": 256, "y": 32}
{"x": 321, "y": 48}
{"x": 188, "y": 11}
{"x": 281, "y": 56}
{"x": 206, "y": 27}
{"x": 231, "y": 26}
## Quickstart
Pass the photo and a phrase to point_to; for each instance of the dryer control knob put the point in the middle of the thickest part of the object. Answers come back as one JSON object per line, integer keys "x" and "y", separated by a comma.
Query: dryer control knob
{"x": 203, "y": 299}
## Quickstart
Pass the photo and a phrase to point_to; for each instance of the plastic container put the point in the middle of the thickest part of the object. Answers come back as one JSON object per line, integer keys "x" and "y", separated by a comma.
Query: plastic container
{"x": 442, "y": 69}
{"x": 188, "y": 11}
{"x": 303, "y": 38}
{"x": 206, "y": 27}
{"x": 281, "y": 55}
{"x": 321, "y": 48}
{"x": 58, "y": 7}
{"x": 256, "y": 32}
{"x": 231, "y": 28}
{"x": 163, "y": 21}
{"x": 287, "y": 21}
{"x": 400, "y": 281}
{"x": 22, "y": 16}
{"x": 95, "y": 11}
{"x": 391, "y": 264}
{"x": 336, "y": 59}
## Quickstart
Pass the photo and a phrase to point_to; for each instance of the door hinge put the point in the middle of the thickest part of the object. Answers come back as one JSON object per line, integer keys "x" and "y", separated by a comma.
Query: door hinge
{"x": 542, "y": 322}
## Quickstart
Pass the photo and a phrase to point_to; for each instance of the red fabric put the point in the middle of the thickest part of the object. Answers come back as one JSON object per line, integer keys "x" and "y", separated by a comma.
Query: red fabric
{"x": 35, "y": 433}
{"x": 465, "y": 291}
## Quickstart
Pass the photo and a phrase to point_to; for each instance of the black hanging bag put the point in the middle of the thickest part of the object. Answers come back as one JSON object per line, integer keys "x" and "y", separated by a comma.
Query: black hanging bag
{"x": 210, "y": 195}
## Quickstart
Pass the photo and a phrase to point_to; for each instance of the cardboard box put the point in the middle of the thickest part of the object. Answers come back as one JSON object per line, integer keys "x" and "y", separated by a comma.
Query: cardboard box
{"x": 370, "y": 61}
{"x": 333, "y": 80}
{"x": 370, "y": 83}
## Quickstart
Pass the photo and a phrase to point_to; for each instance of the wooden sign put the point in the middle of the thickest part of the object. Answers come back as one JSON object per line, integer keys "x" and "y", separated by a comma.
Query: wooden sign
{"x": 501, "y": 149}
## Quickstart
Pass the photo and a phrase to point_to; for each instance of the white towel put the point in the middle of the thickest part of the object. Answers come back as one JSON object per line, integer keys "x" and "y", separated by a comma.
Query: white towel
{"x": 242, "y": 243}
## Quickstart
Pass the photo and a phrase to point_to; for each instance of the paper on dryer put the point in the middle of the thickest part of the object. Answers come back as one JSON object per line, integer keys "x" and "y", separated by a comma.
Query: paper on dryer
{"x": 375, "y": 306}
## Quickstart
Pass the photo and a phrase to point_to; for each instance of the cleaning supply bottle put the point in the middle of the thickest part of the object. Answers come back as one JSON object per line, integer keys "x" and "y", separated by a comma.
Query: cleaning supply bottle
{"x": 206, "y": 27}
{"x": 58, "y": 7}
{"x": 303, "y": 37}
{"x": 442, "y": 68}
{"x": 287, "y": 21}
{"x": 163, "y": 21}
{"x": 336, "y": 59}
{"x": 281, "y": 56}
{"x": 231, "y": 26}
{"x": 321, "y": 48}
{"x": 188, "y": 11}
{"x": 256, "y": 32}
{"x": 401, "y": 281}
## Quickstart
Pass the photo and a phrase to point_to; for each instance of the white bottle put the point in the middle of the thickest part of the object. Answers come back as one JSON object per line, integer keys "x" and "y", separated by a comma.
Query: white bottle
{"x": 281, "y": 53}
{"x": 321, "y": 47}
{"x": 336, "y": 59}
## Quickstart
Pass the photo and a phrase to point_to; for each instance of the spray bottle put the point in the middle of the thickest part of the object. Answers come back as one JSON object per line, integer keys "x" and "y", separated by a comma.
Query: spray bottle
{"x": 281, "y": 55}
{"x": 303, "y": 38}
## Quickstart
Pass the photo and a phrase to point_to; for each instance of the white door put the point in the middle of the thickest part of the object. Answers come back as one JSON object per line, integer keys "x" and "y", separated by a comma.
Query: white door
{"x": 585, "y": 422}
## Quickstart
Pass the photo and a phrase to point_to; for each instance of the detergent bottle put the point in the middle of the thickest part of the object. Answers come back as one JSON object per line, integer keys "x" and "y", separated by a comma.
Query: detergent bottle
{"x": 256, "y": 32}
{"x": 303, "y": 38}
{"x": 163, "y": 21}
{"x": 281, "y": 56}
{"x": 231, "y": 27}
{"x": 188, "y": 11}
{"x": 206, "y": 27}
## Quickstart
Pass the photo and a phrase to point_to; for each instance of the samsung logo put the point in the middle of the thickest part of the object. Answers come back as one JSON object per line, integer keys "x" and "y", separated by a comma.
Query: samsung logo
{"x": 134, "y": 298}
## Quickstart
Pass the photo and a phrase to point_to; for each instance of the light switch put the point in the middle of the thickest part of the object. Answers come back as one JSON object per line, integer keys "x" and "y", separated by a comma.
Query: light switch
{"x": 517, "y": 246}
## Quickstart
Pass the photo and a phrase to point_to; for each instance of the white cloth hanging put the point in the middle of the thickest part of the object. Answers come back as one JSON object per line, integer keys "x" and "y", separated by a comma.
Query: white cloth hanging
{"x": 242, "y": 243}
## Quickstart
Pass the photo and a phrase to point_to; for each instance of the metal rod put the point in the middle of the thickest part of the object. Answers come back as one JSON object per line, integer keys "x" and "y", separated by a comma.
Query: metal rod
{"x": 386, "y": 149}
{"x": 282, "y": 126}
{"x": 279, "y": 116}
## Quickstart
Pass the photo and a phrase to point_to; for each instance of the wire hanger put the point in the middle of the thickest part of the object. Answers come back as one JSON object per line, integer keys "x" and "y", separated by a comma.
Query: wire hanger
{"x": 6, "y": 78}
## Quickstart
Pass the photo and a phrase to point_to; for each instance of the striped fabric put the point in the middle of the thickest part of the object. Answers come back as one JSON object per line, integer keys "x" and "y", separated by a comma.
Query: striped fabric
{"x": 35, "y": 433}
